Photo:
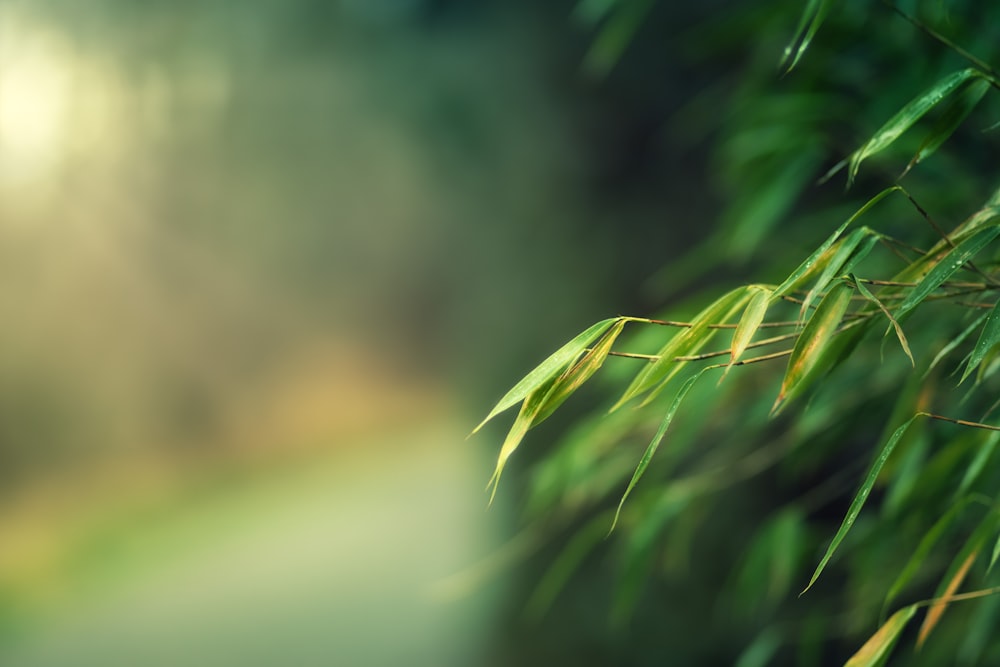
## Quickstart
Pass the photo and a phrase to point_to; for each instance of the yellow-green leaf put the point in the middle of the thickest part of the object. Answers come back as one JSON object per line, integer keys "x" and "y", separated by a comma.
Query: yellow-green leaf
{"x": 842, "y": 261}
{"x": 823, "y": 255}
{"x": 812, "y": 342}
{"x": 879, "y": 644}
{"x": 937, "y": 609}
{"x": 685, "y": 342}
{"x": 749, "y": 322}
{"x": 580, "y": 372}
{"x": 865, "y": 292}
{"x": 550, "y": 368}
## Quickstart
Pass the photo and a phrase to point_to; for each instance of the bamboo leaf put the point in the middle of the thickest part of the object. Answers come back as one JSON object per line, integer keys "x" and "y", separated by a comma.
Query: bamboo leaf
{"x": 812, "y": 343}
{"x": 878, "y": 646}
{"x": 812, "y": 18}
{"x": 860, "y": 498}
{"x": 988, "y": 340}
{"x": 525, "y": 418}
{"x": 549, "y": 368}
{"x": 687, "y": 341}
{"x": 838, "y": 263}
{"x": 865, "y": 292}
{"x": 957, "y": 571}
{"x": 751, "y": 320}
{"x": 937, "y": 609}
{"x": 949, "y": 264}
{"x": 615, "y": 36}
{"x": 574, "y": 377}
{"x": 565, "y": 564}
{"x": 955, "y": 342}
{"x": 655, "y": 442}
{"x": 821, "y": 257}
{"x": 946, "y": 125}
{"x": 996, "y": 554}
{"x": 907, "y": 116}
{"x": 923, "y": 551}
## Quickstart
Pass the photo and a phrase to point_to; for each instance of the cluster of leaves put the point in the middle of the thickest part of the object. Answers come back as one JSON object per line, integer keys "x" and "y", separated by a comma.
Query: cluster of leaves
{"x": 818, "y": 379}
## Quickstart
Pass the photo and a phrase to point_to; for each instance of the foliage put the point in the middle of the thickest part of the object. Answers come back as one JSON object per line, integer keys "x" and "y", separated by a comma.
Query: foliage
{"x": 880, "y": 348}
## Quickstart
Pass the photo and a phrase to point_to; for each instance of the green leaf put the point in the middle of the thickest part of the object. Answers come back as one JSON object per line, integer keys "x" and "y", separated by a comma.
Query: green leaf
{"x": 922, "y": 551}
{"x": 749, "y": 322}
{"x": 955, "y": 342}
{"x": 685, "y": 342}
{"x": 549, "y": 368}
{"x": 809, "y": 23}
{"x": 838, "y": 263}
{"x": 996, "y": 554}
{"x": 592, "y": 12}
{"x": 958, "y": 569}
{"x": 655, "y": 443}
{"x": 945, "y": 267}
{"x": 953, "y": 117}
{"x": 565, "y": 564}
{"x": 907, "y": 116}
{"x": 936, "y": 611}
{"x": 860, "y": 498}
{"x": 878, "y": 646}
{"x": 809, "y": 349}
{"x": 975, "y": 468}
{"x": 988, "y": 339}
{"x": 823, "y": 255}
{"x": 865, "y": 292}
{"x": 615, "y": 36}
{"x": 574, "y": 377}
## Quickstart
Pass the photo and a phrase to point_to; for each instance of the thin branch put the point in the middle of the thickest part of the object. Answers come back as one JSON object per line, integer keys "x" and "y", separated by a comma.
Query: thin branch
{"x": 960, "y": 422}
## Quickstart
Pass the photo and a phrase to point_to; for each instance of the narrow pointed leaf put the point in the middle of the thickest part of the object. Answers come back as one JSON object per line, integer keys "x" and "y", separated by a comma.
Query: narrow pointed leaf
{"x": 937, "y": 609}
{"x": 822, "y": 256}
{"x": 955, "y": 342}
{"x": 988, "y": 339}
{"x": 878, "y": 646}
{"x": 865, "y": 292}
{"x": 907, "y": 116}
{"x": 812, "y": 18}
{"x": 860, "y": 498}
{"x": 948, "y": 265}
{"x": 687, "y": 341}
{"x": 812, "y": 342}
{"x": 615, "y": 36}
{"x": 958, "y": 569}
{"x": 580, "y": 372}
{"x": 655, "y": 442}
{"x": 565, "y": 564}
{"x": 749, "y": 322}
{"x": 549, "y": 368}
{"x": 922, "y": 551}
{"x": 996, "y": 554}
{"x": 946, "y": 125}
{"x": 839, "y": 264}
{"x": 525, "y": 417}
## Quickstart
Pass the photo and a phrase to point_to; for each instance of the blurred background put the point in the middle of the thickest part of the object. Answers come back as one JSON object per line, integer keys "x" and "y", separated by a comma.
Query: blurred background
{"x": 263, "y": 265}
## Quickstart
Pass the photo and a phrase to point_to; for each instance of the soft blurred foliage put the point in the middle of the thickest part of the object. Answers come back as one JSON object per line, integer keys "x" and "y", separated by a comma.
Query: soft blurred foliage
{"x": 258, "y": 261}
{"x": 738, "y": 506}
